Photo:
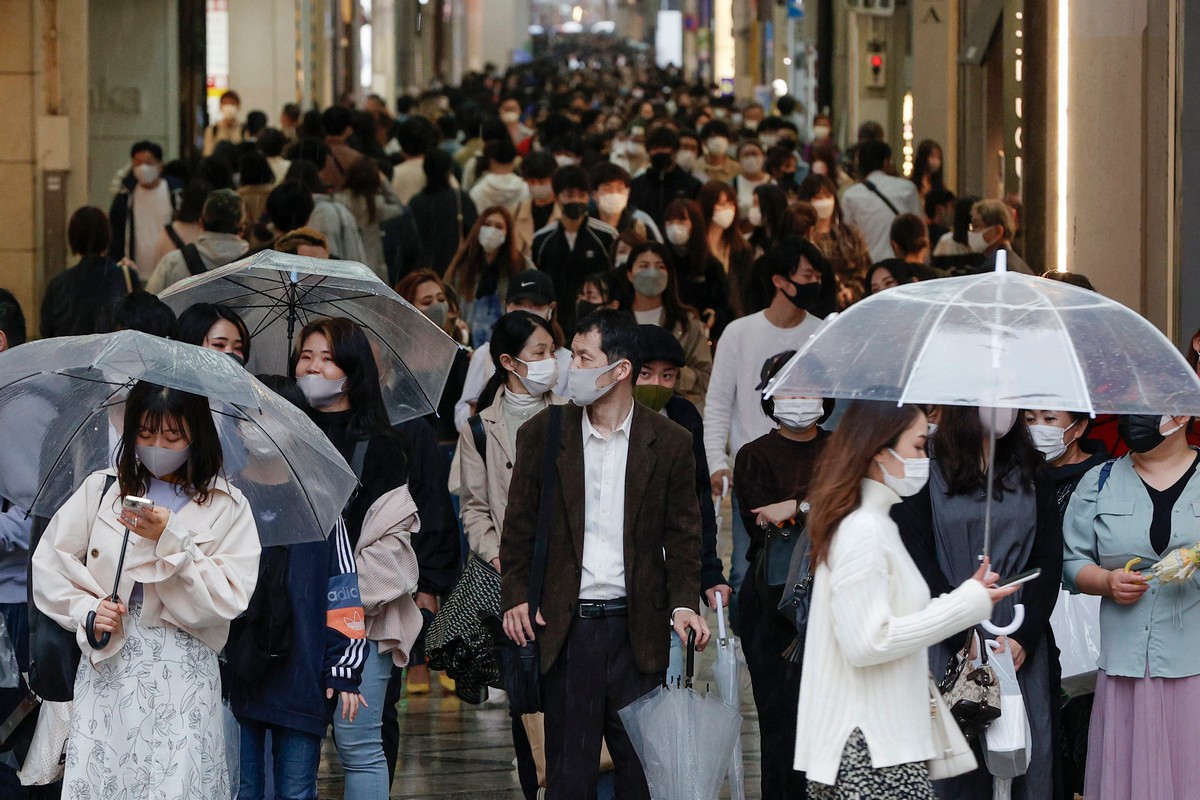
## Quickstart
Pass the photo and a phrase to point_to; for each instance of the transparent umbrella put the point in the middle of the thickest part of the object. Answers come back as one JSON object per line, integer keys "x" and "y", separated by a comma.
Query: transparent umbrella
{"x": 277, "y": 294}
{"x": 62, "y": 404}
{"x": 684, "y": 739}
{"x": 729, "y": 687}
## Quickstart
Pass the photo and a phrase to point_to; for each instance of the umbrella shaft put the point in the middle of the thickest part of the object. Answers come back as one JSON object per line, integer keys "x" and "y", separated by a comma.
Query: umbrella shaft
{"x": 120, "y": 566}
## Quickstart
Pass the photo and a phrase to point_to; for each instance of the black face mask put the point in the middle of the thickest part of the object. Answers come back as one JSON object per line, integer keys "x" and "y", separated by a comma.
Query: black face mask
{"x": 661, "y": 161}
{"x": 574, "y": 211}
{"x": 807, "y": 296}
{"x": 583, "y": 308}
{"x": 787, "y": 179}
{"x": 1141, "y": 431}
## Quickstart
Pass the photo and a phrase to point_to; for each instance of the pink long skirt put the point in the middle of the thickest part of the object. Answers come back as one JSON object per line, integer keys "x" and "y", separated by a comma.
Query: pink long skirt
{"x": 1143, "y": 739}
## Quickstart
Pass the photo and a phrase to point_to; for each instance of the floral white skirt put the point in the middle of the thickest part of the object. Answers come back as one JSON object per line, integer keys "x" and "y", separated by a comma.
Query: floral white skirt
{"x": 147, "y": 723}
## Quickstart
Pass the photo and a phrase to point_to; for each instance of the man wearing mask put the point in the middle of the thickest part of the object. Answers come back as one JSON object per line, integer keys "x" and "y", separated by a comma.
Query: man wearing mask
{"x": 991, "y": 231}
{"x": 665, "y": 180}
{"x": 716, "y": 164}
{"x": 805, "y": 291}
{"x": 613, "y": 207}
{"x": 573, "y": 247}
{"x": 872, "y": 204}
{"x": 142, "y": 208}
{"x": 624, "y": 535}
{"x": 227, "y": 127}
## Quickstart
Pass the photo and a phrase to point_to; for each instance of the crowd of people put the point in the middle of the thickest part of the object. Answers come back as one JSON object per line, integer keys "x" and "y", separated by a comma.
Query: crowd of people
{"x": 625, "y": 261}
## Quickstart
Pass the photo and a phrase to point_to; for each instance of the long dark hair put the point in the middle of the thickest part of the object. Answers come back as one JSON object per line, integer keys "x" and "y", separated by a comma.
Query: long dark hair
{"x": 696, "y": 255}
{"x": 957, "y": 446}
{"x": 353, "y": 355}
{"x": 811, "y": 186}
{"x": 197, "y": 320}
{"x": 362, "y": 180}
{"x": 675, "y": 313}
{"x": 712, "y": 193}
{"x": 152, "y": 406}
{"x": 470, "y": 261}
{"x": 921, "y": 166}
{"x": 773, "y": 203}
{"x": 866, "y": 428}
{"x": 509, "y": 335}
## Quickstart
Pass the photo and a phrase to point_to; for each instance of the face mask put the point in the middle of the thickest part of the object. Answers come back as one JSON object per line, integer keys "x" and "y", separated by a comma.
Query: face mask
{"x": 650, "y": 282}
{"x": 1143, "y": 432}
{"x": 146, "y": 174}
{"x": 564, "y": 161}
{"x": 491, "y": 238}
{"x": 768, "y": 140}
{"x": 661, "y": 162}
{"x": 542, "y": 375}
{"x": 717, "y": 146}
{"x": 1049, "y": 439}
{"x": 618, "y": 147}
{"x": 583, "y": 308}
{"x": 723, "y": 217}
{"x": 933, "y": 165}
{"x": 750, "y": 124}
{"x": 755, "y": 216}
{"x": 437, "y": 313}
{"x": 162, "y": 461}
{"x": 581, "y": 384}
{"x": 788, "y": 142}
{"x": 1004, "y": 420}
{"x": 574, "y": 211}
{"x": 819, "y": 168}
{"x": 820, "y": 131}
{"x": 686, "y": 159}
{"x": 510, "y": 117}
{"x": 677, "y": 234}
{"x": 799, "y": 414}
{"x": 320, "y": 392}
{"x": 932, "y": 429}
{"x": 653, "y": 395}
{"x": 635, "y": 150}
{"x": 824, "y": 206}
{"x": 916, "y": 475}
{"x": 807, "y": 295}
{"x": 621, "y": 260}
{"x": 787, "y": 179}
{"x": 540, "y": 192}
{"x": 752, "y": 164}
{"x": 229, "y": 112}
{"x": 612, "y": 203}
{"x": 976, "y": 241}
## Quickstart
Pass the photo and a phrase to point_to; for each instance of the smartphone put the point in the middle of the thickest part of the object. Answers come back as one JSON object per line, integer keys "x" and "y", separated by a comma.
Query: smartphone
{"x": 1024, "y": 577}
{"x": 134, "y": 503}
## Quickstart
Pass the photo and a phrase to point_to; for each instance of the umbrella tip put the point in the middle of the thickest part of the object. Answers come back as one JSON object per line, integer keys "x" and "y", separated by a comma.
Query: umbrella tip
{"x": 1001, "y": 260}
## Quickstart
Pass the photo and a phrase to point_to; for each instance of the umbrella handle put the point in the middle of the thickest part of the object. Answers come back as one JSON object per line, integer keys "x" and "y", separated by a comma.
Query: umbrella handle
{"x": 1009, "y": 629}
{"x": 89, "y": 630}
{"x": 691, "y": 656}
{"x": 721, "y": 616}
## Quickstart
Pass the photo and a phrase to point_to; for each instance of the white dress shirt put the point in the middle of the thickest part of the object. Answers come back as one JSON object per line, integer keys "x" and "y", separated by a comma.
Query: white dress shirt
{"x": 604, "y": 462}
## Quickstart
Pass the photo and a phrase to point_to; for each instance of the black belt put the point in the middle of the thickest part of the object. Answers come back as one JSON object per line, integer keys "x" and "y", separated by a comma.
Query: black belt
{"x": 596, "y": 609}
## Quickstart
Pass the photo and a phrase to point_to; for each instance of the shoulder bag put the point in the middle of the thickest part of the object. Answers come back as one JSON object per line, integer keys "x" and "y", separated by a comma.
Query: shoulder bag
{"x": 970, "y": 690}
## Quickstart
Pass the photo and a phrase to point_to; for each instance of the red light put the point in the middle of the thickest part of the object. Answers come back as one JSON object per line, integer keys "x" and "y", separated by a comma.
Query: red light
{"x": 876, "y": 61}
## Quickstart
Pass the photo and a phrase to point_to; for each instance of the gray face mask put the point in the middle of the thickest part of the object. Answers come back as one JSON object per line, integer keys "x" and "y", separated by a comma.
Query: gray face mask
{"x": 437, "y": 313}
{"x": 162, "y": 461}
{"x": 650, "y": 282}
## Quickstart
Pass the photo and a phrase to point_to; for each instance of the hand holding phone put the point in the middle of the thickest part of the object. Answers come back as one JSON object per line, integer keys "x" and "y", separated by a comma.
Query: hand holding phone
{"x": 135, "y": 503}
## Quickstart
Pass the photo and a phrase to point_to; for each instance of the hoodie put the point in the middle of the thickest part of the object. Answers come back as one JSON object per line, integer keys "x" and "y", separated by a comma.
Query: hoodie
{"x": 216, "y": 250}
{"x": 508, "y": 190}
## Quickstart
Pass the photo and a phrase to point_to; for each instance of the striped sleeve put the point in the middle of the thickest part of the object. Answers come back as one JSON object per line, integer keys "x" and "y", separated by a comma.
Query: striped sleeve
{"x": 345, "y": 627}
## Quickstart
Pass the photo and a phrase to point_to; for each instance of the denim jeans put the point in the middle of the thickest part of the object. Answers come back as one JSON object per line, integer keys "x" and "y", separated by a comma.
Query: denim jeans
{"x": 360, "y": 743}
{"x": 294, "y": 759}
{"x": 738, "y": 565}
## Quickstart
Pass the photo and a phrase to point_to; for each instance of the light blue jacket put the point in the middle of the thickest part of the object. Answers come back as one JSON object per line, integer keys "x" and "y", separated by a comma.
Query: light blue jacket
{"x": 1109, "y": 526}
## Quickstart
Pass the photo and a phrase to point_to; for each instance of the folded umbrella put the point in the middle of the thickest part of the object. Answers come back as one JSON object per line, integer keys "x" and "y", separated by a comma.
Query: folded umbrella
{"x": 729, "y": 686}
{"x": 277, "y": 294}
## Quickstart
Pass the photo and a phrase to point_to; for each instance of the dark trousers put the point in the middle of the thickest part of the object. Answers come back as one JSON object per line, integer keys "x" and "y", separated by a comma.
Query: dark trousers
{"x": 592, "y": 679}
{"x": 765, "y": 635}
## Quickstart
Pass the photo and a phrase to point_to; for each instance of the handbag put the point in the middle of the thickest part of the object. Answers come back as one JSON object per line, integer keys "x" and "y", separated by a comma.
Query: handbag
{"x": 521, "y": 665}
{"x": 795, "y": 598}
{"x": 457, "y": 642}
{"x": 47, "y": 756}
{"x": 953, "y": 753}
{"x": 971, "y": 690}
{"x": 775, "y": 559}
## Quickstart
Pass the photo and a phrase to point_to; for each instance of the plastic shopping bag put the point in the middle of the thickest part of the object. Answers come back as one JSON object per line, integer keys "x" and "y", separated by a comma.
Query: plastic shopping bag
{"x": 1007, "y": 741}
{"x": 1076, "y": 624}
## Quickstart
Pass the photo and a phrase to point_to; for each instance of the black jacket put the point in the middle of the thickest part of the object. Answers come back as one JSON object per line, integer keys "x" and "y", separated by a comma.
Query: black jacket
{"x": 653, "y": 191}
{"x": 436, "y": 217}
{"x": 120, "y": 216}
{"x": 568, "y": 267}
{"x": 684, "y": 414}
{"x": 84, "y": 298}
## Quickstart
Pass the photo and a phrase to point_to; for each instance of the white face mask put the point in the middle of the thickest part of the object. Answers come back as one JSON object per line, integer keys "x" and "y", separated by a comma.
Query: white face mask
{"x": 819, "y": 168}
{"x": 932, "y": 429}
{"x": 564, "y": 161}
{"x": 229, "y": 112}
{"x": 824, "y": 206}
{"x": 820, "y": 131}
{"x": 755, "y": 216}
{"x": 541, "y": 377}
{"x": 319, "y": 391}
{"x": 976, "y": 241}
{"x": 621, "y": 260}
{"x": 799, "y": 414}
{"x": 916, "y": 475}
{"x": 162, "y": 461}
{"x": 768, "y": 140}
{"x": 491, "y": 238}
{"x": 751, "y": 164}
{"x": 1004, "y": 420}
{"x": 1049, "y": 439}
{"x": 635, "y": 149}
{"x": 581, "y": 384}
{"x": 612, "y": 203}
{"x": 509, "y": 117}
{"x": 717, "y": 146}
{"x": 677, "y": 234}
{"x": 723, "y": 217}
{"x": 147, "y": 174}
{"x": 541, "y": 192}
{"x": 686, "y": 159}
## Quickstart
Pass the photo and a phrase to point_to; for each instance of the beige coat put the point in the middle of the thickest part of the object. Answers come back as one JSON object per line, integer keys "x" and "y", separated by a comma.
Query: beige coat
{"x": 197, "y": 577}
{"x": 694, "y": 377}
{"x": 523, "y": 222}
{"x": 387, "y": 573}
{"x": 484, "y": 489}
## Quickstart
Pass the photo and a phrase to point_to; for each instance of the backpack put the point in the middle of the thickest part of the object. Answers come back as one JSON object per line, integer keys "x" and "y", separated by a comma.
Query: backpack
{"x": 261, "y": 638}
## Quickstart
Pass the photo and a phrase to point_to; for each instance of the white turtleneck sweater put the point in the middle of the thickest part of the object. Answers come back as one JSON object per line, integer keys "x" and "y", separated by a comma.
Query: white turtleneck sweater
{"x": 865, "y": 662}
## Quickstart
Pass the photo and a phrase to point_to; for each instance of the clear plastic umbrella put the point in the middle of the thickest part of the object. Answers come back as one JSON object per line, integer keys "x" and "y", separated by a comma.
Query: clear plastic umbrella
{"x": 62, "y": 404}
{"x": 277, "y": 294}
{"x": 729, "y": 686}
{"x": 683, "y": 738}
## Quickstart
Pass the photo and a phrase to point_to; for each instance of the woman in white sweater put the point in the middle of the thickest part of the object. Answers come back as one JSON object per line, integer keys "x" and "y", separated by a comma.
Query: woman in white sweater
{"x": 864, "y": 727}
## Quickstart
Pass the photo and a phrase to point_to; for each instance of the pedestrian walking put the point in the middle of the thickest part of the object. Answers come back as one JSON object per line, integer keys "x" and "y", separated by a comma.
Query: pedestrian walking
{"x": 84, "y": 298}
{"x": 703, "y": 284}
{"x": 840, "y": 242}
{"x": 144, "y": 205}
{"x": 364, "y": 195}
{"x": 483, "y": 270}
{"x": 878, "y": 198}
{"x": 221, "y": 242}
{"x": 442, "y": 212}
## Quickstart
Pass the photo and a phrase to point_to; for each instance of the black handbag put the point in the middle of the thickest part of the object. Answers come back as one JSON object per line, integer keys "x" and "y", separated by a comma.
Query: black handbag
{"x": 795, "y": 598}
{"x": 521, "y": 665}
{"x": 458, "y": 643}
{"x": 774, "y": 560}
